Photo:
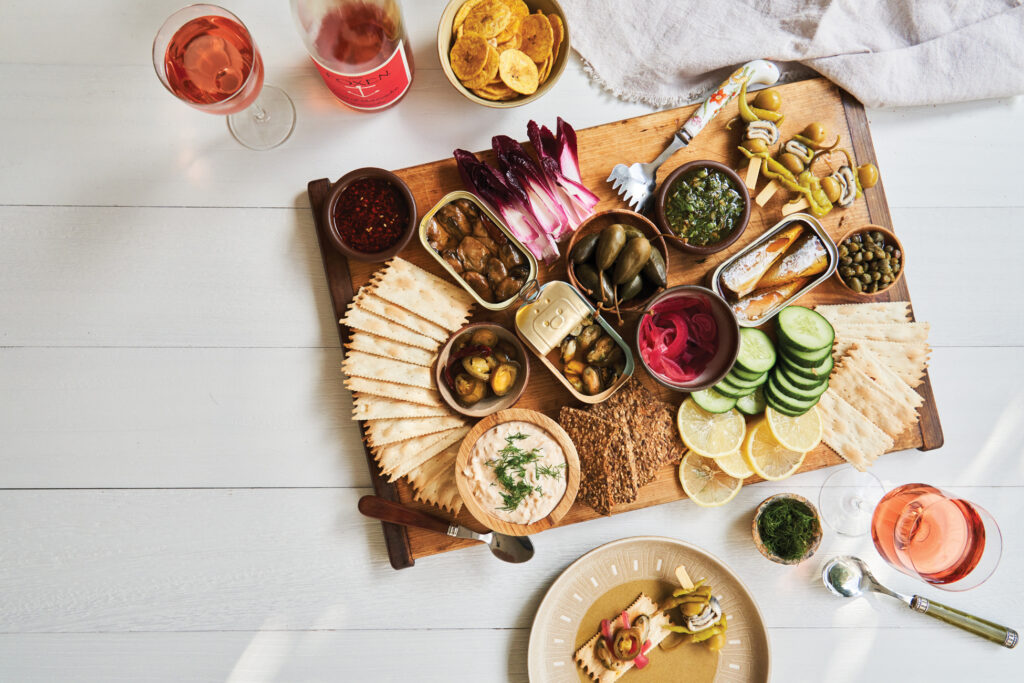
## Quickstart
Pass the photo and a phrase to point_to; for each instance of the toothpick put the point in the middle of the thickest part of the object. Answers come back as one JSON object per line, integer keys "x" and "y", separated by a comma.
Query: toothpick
{"x": 753, "y": 171}
{"x": 793, "y": 207}
{"x": 767, "y": 193}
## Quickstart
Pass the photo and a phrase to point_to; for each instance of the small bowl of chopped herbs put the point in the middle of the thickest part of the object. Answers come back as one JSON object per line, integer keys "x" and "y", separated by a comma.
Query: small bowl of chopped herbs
{"x": 787, "y": 528}
{"x": 702, "y": 207}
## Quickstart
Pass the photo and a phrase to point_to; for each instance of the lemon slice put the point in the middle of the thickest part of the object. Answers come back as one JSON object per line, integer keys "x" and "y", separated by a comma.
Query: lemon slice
{"x": 705, "y": 483}
{"x": 712, "y": 435}
{"x": 801, "y": 433}
{"x": 766, "y": 456}
{"x": 734, "y": 465}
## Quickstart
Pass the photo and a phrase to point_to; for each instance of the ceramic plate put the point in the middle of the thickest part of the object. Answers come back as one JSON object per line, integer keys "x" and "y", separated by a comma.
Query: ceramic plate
{"x": 745, "y": 657}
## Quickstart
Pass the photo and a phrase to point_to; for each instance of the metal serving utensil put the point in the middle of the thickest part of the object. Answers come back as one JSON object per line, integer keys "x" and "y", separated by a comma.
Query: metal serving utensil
{"x": 636, "y": 183}
{"x": 513, "y": 549}
{"x": 849, "y": 577}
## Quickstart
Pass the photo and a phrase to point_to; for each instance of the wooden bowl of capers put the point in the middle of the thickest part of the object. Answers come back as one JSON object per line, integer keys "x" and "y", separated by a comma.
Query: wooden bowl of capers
{"x": 871, "y": 260}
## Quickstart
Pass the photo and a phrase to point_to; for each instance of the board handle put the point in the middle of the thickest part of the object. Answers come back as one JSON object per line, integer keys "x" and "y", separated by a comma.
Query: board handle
{"x": 389, "y": 511}
{"x": 757, "y": 71}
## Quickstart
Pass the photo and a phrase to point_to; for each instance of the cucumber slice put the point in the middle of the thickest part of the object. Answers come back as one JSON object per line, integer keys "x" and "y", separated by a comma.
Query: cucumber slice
{"x": 781, "y": 408}
{"x": 820, "y": 372}
{"x": 727, "y": 388}
{"x": 804, "y": 329}
{"x": 712, "y": 401}
{"x": 777, "y": 399}
{"x": 752, "y": 404}
{"x": 799, "y": 380}
{"x": 737, "y": 371}
{"x": 782, "y": 383}
{"x": 808, "y": 359}
{"x": 757, "y": 353}
{"x": 739, "y": 383}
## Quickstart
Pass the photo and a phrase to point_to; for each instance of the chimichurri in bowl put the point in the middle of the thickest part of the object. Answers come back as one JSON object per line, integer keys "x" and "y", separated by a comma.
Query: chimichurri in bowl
{"x": 703, "y": 207}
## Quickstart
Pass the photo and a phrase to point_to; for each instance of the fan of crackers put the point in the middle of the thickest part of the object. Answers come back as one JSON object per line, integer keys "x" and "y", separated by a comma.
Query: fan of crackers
{"x": 501, "y": 51}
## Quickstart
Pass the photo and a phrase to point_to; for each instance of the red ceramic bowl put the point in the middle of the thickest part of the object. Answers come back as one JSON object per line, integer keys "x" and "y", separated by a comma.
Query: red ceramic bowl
{"x": 728, "y": 339}
{"x": 332, "y": 226}
{"x": 661, "y": 199}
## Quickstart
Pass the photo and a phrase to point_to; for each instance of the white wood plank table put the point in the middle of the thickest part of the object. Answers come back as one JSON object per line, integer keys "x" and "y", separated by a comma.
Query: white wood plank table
{"x": 178, "y": 473}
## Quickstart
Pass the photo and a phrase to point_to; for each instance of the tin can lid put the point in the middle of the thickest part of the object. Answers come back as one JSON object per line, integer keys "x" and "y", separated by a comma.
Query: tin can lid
{"x": 557, "y": 309}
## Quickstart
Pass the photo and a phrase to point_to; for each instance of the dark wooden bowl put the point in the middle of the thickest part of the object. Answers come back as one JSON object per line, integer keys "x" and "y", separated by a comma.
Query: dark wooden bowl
{"x": 491, "y": 404}
{"x": 890, "y": 238}
{"x": 598, "y": 222}
{"x": 728, "y": 340}
{"x": 757, "y": 536}
{"x": 661, "y": 198}
{"x": 332, "y": 227}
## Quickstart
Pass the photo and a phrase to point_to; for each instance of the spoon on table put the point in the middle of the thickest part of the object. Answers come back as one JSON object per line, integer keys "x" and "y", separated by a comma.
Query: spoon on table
{"x": 849, "y": 577}
{"x": 513, "y": 549}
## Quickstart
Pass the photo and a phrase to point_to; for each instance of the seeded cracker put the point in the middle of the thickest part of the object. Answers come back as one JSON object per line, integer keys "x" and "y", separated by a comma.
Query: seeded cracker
{"x": 612, "y": 442}
{"x": 427, "y": 295}
{"x": 369, "y": 407}
{"x": 595, "y": 468}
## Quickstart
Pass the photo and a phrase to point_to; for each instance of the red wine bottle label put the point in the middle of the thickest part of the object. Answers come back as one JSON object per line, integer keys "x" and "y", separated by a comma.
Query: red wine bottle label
{"x": 373, "y": 89}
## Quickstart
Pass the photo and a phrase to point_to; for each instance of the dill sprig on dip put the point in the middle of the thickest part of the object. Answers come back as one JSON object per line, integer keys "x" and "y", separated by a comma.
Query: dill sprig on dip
{"x": 787, "y": 528}
{"x": 510, "y": 471}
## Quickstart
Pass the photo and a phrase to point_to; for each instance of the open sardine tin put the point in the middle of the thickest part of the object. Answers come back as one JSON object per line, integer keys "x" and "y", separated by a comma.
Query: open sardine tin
{"x": 549, "y": 316}
{"x": 485, "y": 209}
{"x": 809, "y": 223}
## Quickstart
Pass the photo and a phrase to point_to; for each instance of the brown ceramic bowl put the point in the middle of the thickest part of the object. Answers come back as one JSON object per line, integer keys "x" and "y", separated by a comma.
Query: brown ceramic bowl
{"x": 492, "y": 403}
{"x": 890, "y": 238}
{"x": 757, "y": 536}
{"x": 332, "y": 226}
{"x": 482, "y": 513}
{"x": 595, "y": 224}
{"x": 661, "y": 199}
{"x": 445, "y": 42}
{"x": 728, "y": 339}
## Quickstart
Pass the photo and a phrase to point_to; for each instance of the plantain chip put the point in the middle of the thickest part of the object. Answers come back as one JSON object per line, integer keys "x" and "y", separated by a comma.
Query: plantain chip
{"x": 518, "y": 71}
{"x": 558, "y": 31}
{"x": 510, "y": 31}
{"x": 487, "y": 74}
{"x": 544, "y": 70}
{"x": 469, "y": 56}
{"x": 518, "y": 8}
{"x": 461, "y": 15}
{"x": 488, "y": 18}
{"x": 536, "y": 37}
{"x": 496, "y": 92}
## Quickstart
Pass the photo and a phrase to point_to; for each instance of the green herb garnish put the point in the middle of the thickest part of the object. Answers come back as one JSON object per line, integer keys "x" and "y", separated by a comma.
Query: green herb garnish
{"x": 510, "y": 470}
{"x": 787, "y": 528}
{"x": 703, "y": 207}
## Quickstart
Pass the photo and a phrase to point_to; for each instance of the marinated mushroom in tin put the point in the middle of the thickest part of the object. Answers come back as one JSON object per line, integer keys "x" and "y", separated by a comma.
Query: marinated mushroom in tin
{"x": 481, "y": 365}
{"x": 591, "y": 360}
{"x": 477, "y": 251}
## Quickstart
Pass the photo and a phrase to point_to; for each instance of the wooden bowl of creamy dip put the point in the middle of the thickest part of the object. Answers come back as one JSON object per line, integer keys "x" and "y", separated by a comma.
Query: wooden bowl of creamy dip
{"x": 517, "y": 472}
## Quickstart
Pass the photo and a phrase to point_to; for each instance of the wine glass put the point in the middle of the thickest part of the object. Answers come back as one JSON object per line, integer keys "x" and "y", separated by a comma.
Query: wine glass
{"x": 847, "y": 499}
{"x": 926, "y": 532}
{"x": 205, "y": 56}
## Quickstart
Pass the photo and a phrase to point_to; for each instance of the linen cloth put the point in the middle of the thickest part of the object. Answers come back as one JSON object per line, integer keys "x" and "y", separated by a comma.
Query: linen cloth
{"x": 884, "y": 52}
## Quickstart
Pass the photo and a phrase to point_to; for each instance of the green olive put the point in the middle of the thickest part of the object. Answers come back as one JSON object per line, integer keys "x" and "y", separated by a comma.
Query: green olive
{"x": 867, "y": 175}
{"x": 691, "y": 609}
{"x": 757, "y": 145}
{"x": 792, "y": 162}
{"x": 815, "y": 132}
{"x": 831, "y": 188}
{"x": 768, "y": 99}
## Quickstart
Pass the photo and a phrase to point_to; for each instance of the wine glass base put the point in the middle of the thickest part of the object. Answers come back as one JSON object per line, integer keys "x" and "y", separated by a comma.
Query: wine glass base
{"x": 847, "y": 500}
{"x": 266, "y": 123}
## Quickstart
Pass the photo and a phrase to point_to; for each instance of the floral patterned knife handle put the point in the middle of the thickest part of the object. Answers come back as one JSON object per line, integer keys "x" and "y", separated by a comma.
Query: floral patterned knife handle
{"x": 757, "y": 71}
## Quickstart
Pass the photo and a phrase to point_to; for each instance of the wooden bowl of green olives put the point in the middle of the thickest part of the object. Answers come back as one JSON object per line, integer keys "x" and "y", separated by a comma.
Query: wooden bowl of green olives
{"x": 618, "y": 260}
{"x": 871, "y": 260}
{"x": 481, "y": 369}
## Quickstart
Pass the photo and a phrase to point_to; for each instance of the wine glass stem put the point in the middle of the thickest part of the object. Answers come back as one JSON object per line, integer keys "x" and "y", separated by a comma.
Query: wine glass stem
{"x": 259, "y": 114}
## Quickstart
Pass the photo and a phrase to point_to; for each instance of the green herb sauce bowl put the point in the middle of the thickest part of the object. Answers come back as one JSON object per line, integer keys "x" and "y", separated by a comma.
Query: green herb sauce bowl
{"x": 759, "y": 542}
{"x": 661, "y": 199}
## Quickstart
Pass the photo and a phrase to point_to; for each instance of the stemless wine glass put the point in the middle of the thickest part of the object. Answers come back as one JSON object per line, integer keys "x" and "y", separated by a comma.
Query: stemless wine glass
{"x": 931, "y": 534}
{"x": 205, "y": 56}
{"x": 847, "y": 499}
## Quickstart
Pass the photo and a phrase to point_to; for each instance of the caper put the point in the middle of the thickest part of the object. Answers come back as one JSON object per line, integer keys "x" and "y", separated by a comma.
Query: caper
{"x": 846, "y": 271}
{"x": 768, "y": 99}
{"x": 876, "y": 276}
{"x": 815, "y": 132}
{"x": 868, "y": 255}
{"x": 855, "y": 285}
{"x": 858, "y": 269}
{"x": 872, "y": 288}
{"x": 858, "y": 257}
{"x": 854, "y": 247}
{"x": 889, "y": 248}
{"x": 897, "y": 254}
{"x": 866, "y": 278}
{"x": 886, "y": 279}
{"x": 879, "y": 237}
{"x": 845, "y": 261}
{"x": 844, "y": 250}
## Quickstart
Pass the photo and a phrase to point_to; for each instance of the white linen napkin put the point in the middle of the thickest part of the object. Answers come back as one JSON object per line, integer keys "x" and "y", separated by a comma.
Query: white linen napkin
{"x": 884, "y": 52}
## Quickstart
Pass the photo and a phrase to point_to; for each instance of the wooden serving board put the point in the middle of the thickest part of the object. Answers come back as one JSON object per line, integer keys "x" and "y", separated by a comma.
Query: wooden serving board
{"x": 600, "y": 148}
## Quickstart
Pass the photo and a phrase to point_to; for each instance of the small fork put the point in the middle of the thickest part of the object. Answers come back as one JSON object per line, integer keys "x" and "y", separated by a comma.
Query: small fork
{"x": 636, "y": 183}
